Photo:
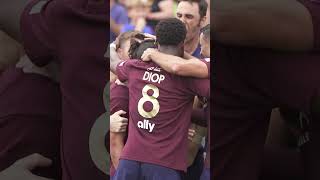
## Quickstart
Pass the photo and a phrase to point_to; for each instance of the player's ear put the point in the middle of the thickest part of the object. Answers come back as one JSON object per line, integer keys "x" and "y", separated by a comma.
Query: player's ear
{"x": 203, "y": 20}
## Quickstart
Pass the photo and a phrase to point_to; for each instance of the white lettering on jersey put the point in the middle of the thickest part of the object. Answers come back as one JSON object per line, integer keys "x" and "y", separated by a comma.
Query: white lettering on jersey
{"x": 153, "y": 77}
{"x": 146, "y": 124}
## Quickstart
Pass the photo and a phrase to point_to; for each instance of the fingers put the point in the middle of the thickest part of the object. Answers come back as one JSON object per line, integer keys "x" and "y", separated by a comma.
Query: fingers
{"x": 145, "y": 56}
{"x": 147, "y": 35}
{"x": 120, "y": 112}
{"x": 33, "y": 161}
{"x": 124, "y": 120}
{"x": 123, "y": 129}
{"x": 191, "y": 134}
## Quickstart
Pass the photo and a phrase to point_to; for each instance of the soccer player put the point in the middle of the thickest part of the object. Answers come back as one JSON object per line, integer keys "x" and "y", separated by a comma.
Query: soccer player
{"x": 119, "y": 123}
{"x": 193, "y": 14}
{"x": 119, "y": 102}
{"x": 160, "y": 115}
{"x": 74, "y": 33}
{"x": 192, "y": 67}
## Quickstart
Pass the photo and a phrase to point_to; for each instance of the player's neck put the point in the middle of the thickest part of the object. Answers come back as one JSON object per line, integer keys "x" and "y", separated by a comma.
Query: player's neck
{"x": 191, "y": 45}
{"x": 172, "y": 50}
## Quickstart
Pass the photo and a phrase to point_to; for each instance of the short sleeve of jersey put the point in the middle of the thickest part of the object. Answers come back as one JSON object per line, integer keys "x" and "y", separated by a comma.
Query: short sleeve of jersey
{"x": 200, "y": 87}
{"x": 123, "y": 70}
{"x": 314, "y": 9}
{"x": 36, "y": 28}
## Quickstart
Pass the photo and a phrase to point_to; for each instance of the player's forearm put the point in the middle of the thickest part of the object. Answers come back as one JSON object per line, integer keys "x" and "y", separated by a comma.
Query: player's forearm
{"x": 165, "y": 61}
{"x": 179, "y": 66}
{"x": 116, "y": 146}
{"x": 277, "y": 24}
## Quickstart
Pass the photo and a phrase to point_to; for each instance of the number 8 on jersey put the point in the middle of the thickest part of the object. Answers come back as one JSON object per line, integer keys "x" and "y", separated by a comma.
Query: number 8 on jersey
{"x": 147, "y": 98}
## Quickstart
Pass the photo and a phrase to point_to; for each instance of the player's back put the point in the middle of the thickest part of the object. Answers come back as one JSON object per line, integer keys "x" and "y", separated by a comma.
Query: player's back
{"x": 160, "y": 109}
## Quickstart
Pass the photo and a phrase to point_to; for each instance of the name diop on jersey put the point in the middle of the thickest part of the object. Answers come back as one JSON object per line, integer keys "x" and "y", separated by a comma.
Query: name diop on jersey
{"x": 155, "y": 78}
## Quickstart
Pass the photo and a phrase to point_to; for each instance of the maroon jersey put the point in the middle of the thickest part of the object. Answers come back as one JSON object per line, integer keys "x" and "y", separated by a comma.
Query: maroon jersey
{"x": 75, "y": 33}
{"x": 119, "y": 100}
{"x": 160, "y": 109}
{"x": 30, "y": 119}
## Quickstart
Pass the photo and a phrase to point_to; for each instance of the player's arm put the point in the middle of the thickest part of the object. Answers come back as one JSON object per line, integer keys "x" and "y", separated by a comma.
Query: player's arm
{"x": 177, "y": 65}
{"x": 116, "y": 146}
{"x": 10, "y": 12}
{"x": 277, "y": 24}
{"x": 118, "y": 127}
{"x": 114, "y": 58}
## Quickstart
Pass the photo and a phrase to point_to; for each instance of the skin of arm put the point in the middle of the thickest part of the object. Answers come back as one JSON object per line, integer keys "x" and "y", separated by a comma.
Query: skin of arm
{"x": 118, "y": 127}
{"x": 116, "y": 146}
{"x": 177, "y": 65}
{"x": 275, "y": 24}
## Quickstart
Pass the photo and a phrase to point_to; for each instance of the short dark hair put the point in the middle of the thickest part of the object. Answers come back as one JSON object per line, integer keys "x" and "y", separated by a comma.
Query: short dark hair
{"x": 206, "y": 32}
{"x": 137, "y": 48}
{"x": 203, "y": 6}
{"x": 170, "y": 32}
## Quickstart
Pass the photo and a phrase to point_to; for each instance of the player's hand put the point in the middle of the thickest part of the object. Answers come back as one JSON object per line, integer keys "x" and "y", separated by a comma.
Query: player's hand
{"x": 149, "y": 36}
{"x": 21, "y": 169}
{"x": 191, "y": 134}
{"x": 146, "y": 56}
{"x": 118, "y": 123}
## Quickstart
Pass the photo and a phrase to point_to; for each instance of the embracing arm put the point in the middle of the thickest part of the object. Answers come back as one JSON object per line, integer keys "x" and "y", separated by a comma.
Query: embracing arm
{"x": 177, "y": 65}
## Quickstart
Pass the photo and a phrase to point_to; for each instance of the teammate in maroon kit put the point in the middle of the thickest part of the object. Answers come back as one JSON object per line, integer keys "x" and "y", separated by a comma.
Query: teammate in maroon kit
{"x": 138, "y": 46}
{"x": 145, "y": 123}
{"x": 191, "y": 67}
